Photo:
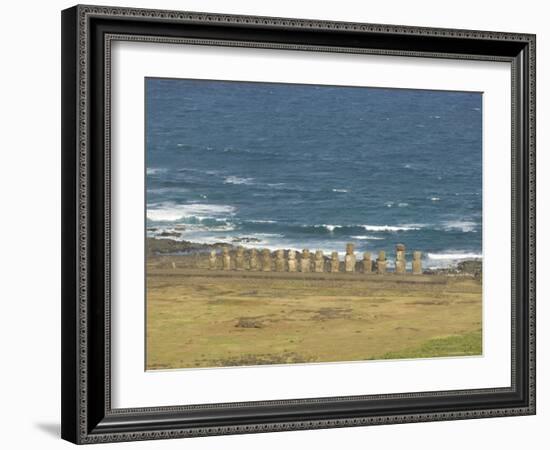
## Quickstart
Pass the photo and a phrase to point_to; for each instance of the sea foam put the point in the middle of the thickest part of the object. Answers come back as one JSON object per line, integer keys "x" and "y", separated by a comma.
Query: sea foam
{"x": 238, "y": 180}
{"x": 388, "y": 228}
{"x": 172, "y": 212}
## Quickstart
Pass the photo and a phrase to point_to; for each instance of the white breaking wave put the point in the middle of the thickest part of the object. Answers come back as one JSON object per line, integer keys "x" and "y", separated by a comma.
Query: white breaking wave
{"x": 155, "y": 170}
{"x": 435, "y": 199}
{"x": 238, "y": 180}
{"x": 340, "y": 190}
{"x": 454, "y": 256}
{"x": 262, "y": 221}
{"x": 449, "y": 259}
{"x": 464, "y": 226}
{"x": 368, "y": 238}
{"x": 327, "y": 227}
{"x": 390, "y": 228}
{"x": 171, "y": 212}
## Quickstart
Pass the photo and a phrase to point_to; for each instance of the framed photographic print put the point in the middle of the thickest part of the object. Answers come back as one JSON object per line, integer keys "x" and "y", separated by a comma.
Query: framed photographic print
{"x": 277, "y": 224}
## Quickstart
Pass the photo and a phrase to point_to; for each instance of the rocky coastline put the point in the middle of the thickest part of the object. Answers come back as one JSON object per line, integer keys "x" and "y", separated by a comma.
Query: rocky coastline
{"x": 198, "y": 255}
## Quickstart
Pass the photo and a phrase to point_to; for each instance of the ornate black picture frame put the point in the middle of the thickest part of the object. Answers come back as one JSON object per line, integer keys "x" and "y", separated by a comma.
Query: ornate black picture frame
{"x": 87, "y": 34}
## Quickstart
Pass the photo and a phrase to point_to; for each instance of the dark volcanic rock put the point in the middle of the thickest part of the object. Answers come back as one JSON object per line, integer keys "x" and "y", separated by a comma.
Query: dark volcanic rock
{"x": 169, "y": 234}
{"x": 470, "y": 267}
{"x": 243, "y": 240}
{"x": 171, "y": 247}
{"x": 474, "y": 267}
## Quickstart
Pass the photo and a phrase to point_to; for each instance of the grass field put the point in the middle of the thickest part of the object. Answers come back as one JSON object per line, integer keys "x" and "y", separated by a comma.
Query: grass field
{"x": 197, "y": 318}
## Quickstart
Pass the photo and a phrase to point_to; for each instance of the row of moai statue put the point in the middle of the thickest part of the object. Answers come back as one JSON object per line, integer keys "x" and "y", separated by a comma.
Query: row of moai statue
{"x": 264, "y": 261}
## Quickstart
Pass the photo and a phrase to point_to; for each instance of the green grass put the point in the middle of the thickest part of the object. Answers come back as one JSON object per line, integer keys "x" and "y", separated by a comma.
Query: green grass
{"x": 468, "y": 344}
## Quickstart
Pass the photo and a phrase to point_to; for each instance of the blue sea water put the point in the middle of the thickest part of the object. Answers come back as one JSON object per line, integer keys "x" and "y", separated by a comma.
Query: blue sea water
{"x": 306, "y": 166}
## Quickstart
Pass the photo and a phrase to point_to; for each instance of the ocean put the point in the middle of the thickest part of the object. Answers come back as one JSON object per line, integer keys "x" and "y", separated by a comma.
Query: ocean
{"x": 271, "y": 165}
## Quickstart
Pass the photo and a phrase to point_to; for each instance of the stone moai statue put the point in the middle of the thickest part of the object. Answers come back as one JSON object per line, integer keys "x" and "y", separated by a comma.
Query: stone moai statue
{"x": 213, "y": 260}
{"x": 292, "y": 263}
{"x": 226, "y": 259}
{"x": 280, "y": 260}
{"x": 350, "y": 258}
{"x": 381, "y": 262}
{"x": 334, "y": 262}
{"x": 253, "y": 259}
{"x": 239, "y": 259}
{"x": 400, "y": 261}
{"x": 417, "y": 263}
{"x": 319, "y": 262}
{"x": 266, "y": 260}
{"x": 367, "y": 263}
{"x": 305, "y": 263}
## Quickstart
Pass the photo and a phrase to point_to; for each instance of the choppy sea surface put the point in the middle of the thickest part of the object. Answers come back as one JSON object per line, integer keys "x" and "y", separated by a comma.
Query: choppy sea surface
{"x": 305, "y": 166}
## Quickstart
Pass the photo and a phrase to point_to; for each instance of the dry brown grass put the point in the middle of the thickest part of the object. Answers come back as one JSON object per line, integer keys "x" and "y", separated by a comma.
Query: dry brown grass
{"x": 197, "y": 318}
